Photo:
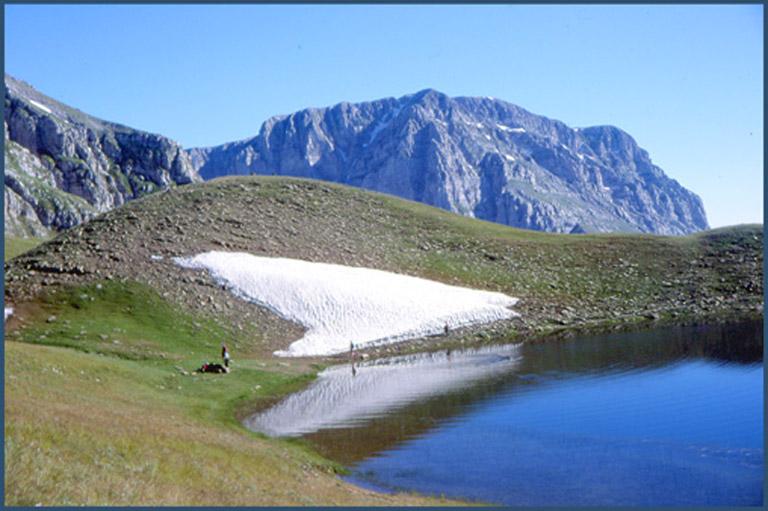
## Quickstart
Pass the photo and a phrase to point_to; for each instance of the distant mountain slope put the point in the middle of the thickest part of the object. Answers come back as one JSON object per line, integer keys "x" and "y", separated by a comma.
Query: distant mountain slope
{"x": 480, "y": 157}
{"x": 63, "y": 166}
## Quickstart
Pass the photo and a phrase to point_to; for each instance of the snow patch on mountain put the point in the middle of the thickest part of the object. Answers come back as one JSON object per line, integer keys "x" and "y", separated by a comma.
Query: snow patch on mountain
{"x": 508, "y": 129}
{"x": 40, "y": 106}
{"x": 340, "y": 305}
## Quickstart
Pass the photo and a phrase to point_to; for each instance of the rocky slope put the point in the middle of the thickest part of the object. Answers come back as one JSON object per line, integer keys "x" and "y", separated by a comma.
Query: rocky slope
{"x": 63, "y": 166}
{"x": 563, "y": 282}
{"x": 479, "y": 157}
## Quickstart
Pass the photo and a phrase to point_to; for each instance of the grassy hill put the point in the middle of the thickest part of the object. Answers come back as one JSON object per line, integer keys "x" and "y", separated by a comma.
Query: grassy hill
{"x": 14, "y": 246}
{"x": 100, "y": 408}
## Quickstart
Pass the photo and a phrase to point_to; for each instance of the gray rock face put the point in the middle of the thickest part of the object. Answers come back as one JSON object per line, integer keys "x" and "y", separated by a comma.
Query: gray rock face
{"x": 479, "y": 157}
{"x": 63, "y": 166}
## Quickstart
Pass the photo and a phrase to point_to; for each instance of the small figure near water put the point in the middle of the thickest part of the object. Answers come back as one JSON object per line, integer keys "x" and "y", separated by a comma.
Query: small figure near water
{"x": 225, "y": 354}
{"x": 446, "y": 330}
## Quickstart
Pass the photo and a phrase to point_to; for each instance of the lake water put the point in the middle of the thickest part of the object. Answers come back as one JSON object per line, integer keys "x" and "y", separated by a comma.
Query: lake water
{"x": 672, "y": 416}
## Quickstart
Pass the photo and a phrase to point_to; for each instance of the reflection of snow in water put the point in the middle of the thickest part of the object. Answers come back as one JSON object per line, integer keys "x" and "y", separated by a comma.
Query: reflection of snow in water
{"x": 339, "y": 398}
{"x": 343, "y": 304}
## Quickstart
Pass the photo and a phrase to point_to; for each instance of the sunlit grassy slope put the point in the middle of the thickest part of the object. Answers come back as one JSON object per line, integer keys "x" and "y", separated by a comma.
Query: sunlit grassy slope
{"x": 99, "y": 411}
{"x": 15, "y": 246}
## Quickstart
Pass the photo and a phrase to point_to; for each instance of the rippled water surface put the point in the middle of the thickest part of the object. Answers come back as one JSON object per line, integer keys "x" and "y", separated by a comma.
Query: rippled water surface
{"x": 672, "y": 416}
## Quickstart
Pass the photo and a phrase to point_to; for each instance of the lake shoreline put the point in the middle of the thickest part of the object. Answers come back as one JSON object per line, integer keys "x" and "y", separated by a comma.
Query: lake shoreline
{"x": 489, "y": 334}
{"x": 564, "y": 334}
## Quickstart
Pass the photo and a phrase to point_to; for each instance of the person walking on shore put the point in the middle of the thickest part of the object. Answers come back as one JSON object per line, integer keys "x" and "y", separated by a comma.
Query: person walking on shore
{"x": 225, "y": 354}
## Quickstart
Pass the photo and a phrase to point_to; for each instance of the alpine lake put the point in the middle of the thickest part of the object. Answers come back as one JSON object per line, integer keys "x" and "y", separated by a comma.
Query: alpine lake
{"x": 666, "y": 417}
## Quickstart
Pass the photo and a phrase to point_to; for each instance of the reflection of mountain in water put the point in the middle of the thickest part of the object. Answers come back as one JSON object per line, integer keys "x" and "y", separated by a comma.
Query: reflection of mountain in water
{"x": 360, "y": 434}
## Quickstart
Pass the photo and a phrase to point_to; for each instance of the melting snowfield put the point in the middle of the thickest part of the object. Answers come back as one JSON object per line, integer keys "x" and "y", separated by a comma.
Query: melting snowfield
{"x": 340, "y": 305}
{"x": 340, "y": 398}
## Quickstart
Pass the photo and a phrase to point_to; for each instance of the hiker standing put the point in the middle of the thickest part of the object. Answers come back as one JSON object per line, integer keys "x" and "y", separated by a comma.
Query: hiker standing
{"x": 225, "y": 354}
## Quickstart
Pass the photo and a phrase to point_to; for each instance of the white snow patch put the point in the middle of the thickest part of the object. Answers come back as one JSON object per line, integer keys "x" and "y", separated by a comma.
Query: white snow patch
{"x": 578, "y": 155}
{"x": 343, "y": 397}
{"x": 156, "y": 257}
{"x": 313, "y": 152}
{"x": 40, "y": 106}
{"x": 508, "y": 129}
{"x": 509, "y": 157}
{"x": 312, "y": 158}
{"x": 478, "y": 124}
{"x": 340, "y": 305}
{"x": 488, "y": 137}
{"x": 8, "y": 313}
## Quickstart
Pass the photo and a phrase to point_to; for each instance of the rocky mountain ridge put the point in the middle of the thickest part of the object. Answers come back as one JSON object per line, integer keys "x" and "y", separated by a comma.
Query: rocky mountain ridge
{"x": 63, "y": 167}
{"x": 479, "y": 157}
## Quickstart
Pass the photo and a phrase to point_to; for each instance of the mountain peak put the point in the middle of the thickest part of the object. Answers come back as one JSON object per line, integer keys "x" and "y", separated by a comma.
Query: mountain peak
{"x": 429, "y": 92}
{"x": 428, "y": 95}
{"x": 479, "y": 157}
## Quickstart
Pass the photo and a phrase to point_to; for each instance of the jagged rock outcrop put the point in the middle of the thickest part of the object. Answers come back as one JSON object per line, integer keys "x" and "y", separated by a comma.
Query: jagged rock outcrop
{"x": 63, "y": 166}
{"x": 479, "y": 157}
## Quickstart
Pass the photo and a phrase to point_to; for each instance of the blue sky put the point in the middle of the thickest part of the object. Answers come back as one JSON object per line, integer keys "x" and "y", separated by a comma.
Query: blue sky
{"x": 685, "y": 81}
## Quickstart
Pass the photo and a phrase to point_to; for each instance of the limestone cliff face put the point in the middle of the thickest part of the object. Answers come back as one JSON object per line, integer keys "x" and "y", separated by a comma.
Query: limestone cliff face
{"x": 63, "y": 166}
{"x": 479, "y": 157}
